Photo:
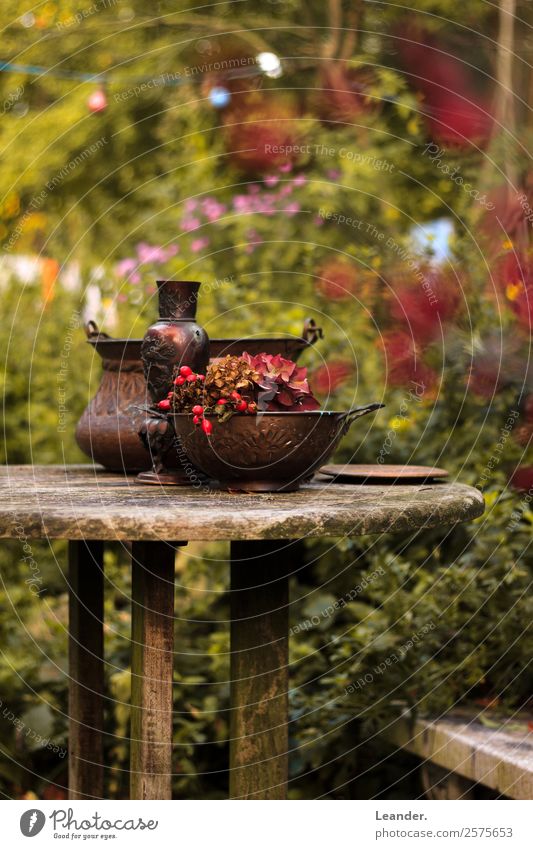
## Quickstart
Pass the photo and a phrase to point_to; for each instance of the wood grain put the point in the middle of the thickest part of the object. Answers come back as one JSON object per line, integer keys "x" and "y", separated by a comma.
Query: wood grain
{"x": 259, "y": 670}
{"x": 501, "y": 758}
{"x": 85, "y": 502}
{"x": 86, "y": 669}
{"x": 151, "y": 670}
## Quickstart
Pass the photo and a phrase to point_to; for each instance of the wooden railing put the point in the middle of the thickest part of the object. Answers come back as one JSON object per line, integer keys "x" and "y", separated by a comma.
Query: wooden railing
{"x": 498, "y": 756}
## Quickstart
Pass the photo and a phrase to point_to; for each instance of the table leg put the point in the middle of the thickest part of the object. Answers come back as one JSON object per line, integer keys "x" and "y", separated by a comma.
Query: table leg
{"x": 259, "y": 670}
{"x": 86, "y": 669}
{"x": 151, "y": 670}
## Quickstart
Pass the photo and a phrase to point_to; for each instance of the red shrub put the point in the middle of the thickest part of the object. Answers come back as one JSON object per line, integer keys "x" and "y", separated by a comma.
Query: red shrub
{"x": 337, "y": 280}
{"x": 258, "y": 129}
{"x": 331, "y": 375}
{"x": 456, "y": 112}
{"x": 404, "y": 364}
{"x": 523, "y": 478}
{"x": 422, "y": 310}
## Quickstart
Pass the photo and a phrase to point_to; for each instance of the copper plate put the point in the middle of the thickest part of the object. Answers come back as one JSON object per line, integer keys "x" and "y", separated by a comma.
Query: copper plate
{"x": 352, "y": 471}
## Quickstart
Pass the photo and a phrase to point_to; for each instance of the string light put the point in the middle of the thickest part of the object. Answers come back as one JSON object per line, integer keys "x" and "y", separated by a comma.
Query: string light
{"x": 27, "y": 20}
{"x": 97, "y": 101}
{"x": 174, "y": 79}
{"x": 219, "y": 97}
{"x": 270, "y": 64}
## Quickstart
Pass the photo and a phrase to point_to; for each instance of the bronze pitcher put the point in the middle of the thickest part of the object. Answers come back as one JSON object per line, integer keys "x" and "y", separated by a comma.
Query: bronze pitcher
{"x": 108, "y": 429}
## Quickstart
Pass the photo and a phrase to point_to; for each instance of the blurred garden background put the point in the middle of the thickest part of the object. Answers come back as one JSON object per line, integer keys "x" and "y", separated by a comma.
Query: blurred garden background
{"x": 362, "y": 163}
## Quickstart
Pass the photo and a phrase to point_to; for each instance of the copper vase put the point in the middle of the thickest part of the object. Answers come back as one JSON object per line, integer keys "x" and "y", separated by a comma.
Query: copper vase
{"x": 175, "y": 338}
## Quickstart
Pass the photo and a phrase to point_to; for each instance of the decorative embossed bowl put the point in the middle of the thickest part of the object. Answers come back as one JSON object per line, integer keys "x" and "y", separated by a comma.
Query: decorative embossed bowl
{"x": 268, "y": 452}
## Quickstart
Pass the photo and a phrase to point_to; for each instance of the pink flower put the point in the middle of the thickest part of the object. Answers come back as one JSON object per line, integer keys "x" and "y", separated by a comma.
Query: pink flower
{"x": 271, "y": 180}
{"x": 190, "y": 205}
{"x": 150, "y": 253}
{"x": 125, "y": 266}
{"x": 188, "y": 224}
{"x": 198, "y": 245}
{"x": 283, "y": 384}
{"x": 300, "y": 180}
{"x": 212, "y": 209}
{"x": 243, "y": 203}
{"x": 333, "y": 174}
{"x": 292, "y": 208}
{"x": 254, "y": 239}
{"x": 285, "y": 190}
{"x": 286, "y": 168}
{"x": 253, "y": 188}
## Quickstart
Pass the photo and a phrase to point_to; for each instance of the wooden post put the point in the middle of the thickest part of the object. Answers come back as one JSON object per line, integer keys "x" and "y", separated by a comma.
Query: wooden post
{"x": 151, "y": 670}
{"x": 259, "y": 670}
{"x": 86, "y": 669}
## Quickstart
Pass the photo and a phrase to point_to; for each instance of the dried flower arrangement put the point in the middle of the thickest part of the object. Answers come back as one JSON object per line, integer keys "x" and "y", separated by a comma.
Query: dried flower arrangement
{"x": 240, "y": 385}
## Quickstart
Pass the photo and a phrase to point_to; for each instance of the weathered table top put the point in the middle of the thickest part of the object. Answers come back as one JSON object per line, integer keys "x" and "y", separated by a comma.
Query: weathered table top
{"x": 86, "y": 502}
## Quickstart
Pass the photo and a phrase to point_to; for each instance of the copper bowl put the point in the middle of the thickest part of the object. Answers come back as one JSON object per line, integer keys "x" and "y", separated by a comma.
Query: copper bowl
{"x": 108, "y": 430}
{"x": 269, "y": 452}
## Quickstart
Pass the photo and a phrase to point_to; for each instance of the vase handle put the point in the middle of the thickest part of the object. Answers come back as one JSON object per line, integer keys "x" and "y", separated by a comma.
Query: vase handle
{"x": 311, "y": 333}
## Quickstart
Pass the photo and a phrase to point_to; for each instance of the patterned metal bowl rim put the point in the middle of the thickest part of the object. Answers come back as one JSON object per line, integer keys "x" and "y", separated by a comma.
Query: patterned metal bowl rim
{"x": 313, "y": 413}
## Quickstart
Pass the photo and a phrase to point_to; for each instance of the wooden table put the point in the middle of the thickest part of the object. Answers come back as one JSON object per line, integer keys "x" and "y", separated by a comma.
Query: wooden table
{"x": 88, "y": 506}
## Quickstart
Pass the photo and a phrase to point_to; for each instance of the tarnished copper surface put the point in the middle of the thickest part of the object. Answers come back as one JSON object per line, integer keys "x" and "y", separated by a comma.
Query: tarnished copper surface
{"x": 108, "y": 429}
{"x": 269, "y": 452}
{"x": 175, "y": 338}
{"x": 381, "y": 471}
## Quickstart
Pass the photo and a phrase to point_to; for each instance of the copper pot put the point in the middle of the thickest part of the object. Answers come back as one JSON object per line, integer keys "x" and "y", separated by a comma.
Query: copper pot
{"x": 289, "y": 347}
{"x": 269, "y": 452}
{"x": 108, "y": 429}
